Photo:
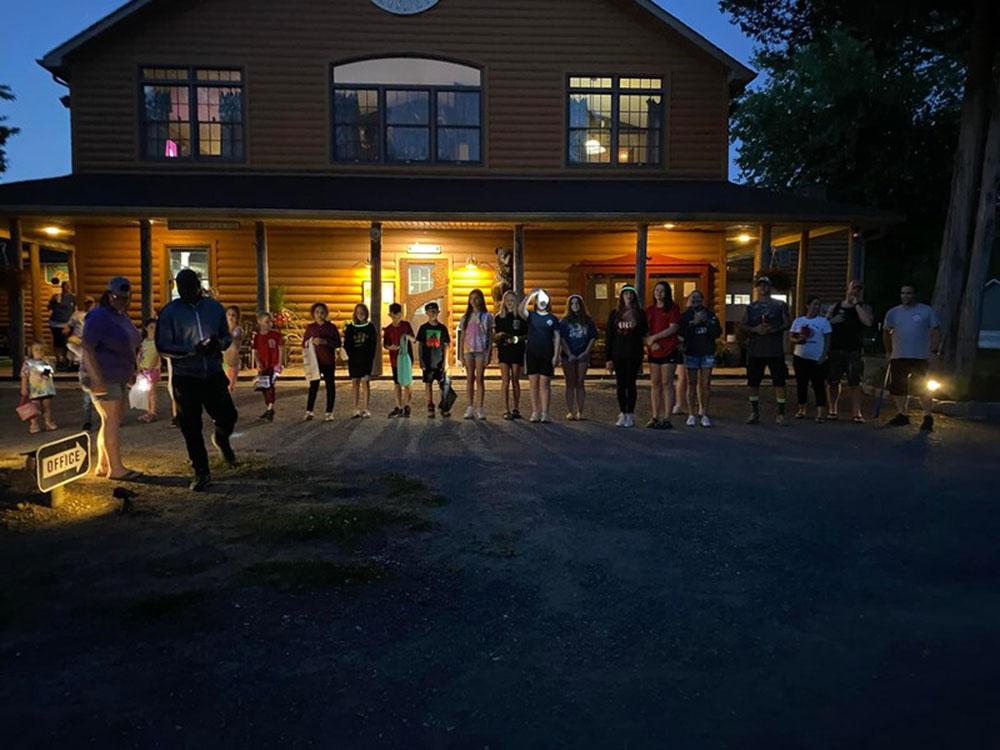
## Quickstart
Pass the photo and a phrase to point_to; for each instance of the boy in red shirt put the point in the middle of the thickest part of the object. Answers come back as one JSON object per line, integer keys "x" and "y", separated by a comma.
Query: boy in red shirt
{"x": 267, "y": 345}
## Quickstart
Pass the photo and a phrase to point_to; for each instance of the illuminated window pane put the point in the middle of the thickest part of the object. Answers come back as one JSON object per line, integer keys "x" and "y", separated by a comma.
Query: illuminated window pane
{"x": 590, "y": 146}
{"x": 356, "y": 125}
{"x": 421, "y": 279}
{"x": 406, "y": 71}
{"x": 166, "y": 122}
{"x": 195, "y": 258}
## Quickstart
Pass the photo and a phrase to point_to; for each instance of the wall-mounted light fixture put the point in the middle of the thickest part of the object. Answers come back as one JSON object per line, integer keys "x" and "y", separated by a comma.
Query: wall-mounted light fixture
{"x": 669, "y": 225}
{"x": 418, "y": 248}
{"x": 471, "y": 263}
{"x": 743, "y": 238}
{"x": 52, "y": 231}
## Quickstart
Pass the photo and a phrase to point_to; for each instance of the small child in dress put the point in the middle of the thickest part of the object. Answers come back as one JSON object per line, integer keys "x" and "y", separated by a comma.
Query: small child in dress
{"x": 231, "y": 357}
{"x": 268, "y": 345}
{"x": 38, "y": 386}
{"x": 148, "y": 366}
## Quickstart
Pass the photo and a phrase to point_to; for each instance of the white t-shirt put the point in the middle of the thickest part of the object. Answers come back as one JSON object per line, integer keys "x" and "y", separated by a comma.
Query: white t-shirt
{"x": 812, "y": 347}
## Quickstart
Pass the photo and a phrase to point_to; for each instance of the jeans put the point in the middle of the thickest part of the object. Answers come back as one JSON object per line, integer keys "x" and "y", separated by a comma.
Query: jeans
{"x": 626, "y": 374}
{"x": 810, "y": 372}
{"x": 326, "y": 372}
{"x": 212, "y": 394}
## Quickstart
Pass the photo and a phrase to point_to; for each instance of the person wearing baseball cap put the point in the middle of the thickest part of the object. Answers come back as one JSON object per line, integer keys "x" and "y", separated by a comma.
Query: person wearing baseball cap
{"x": 109, "y": 343}
{"x": 765, "y": 322}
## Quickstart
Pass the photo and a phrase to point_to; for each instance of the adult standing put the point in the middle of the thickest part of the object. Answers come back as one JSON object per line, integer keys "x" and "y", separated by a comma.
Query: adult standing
{"x": 699, "y": 327}
{"x": 662, "y": 345}
{"x": 765, "y": 322}
{"x": 62, "y": 305}
{"x": 625, "y": 336}
{"x": 193, "y": 332}
{"x": 848, "y": 318}
{"x": 912, "y": 336}
{"x": 109, "y": 344}
{"x": 811, "y": 334}
{"x": 324, "y": 337}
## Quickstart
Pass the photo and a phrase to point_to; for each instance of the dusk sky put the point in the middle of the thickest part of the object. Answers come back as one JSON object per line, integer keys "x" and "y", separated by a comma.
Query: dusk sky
{"x": 42, "y": 149}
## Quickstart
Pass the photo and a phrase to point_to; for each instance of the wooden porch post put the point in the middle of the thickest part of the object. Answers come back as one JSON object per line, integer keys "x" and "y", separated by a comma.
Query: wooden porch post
{"x": 146, "y": 267}
{"x": 800, "y": 273}
{"x": 37, "y": 295}
{"x": 518, "y": 261}
{"x": 376, "y": 276}
{"x": 762, "y": 259}
{"x": 855, "y": 249}
{"x": 263, "y": 281}
{"x": 641, "y": 243}
{"x": 15, "y": 298}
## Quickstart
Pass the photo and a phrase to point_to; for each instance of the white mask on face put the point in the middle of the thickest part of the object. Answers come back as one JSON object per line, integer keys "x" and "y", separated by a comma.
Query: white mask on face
{"x": 543, "y": 300}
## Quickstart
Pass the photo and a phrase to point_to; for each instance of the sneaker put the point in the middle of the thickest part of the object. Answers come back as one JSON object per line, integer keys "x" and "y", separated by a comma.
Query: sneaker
{"x": 705, "y": 421}
{"x": 396, "y": 412}
{"x": 533, "y": 417}
{"x": 445, "y": 414}
{"x": 858, "y": 419}
{"x": 621, "y": 420}
{"x": 754, "y": 417}
{"x": 470, "y": 413}
{"x": 579, "y": 417}
{"x": 927, "y": 425}
{"x": 430, "y": 411}
{"x": 630, "y": 420}
{"x": 832, "y": 416}
{"x": 899, "y": 421}
{"x": 356, "y": 414}
{"x": 820, "y": 419}
{"x": 225, "y": 449}
{"x": 800, "y": 414}
{"x": 200, "y": 482}
{"x": 653, "y": 424}
{"x": 366, "y": 414}
{"x": 265, "y": 415}
{"x": 308, "y": 417}
{"x": 780, "y": 420}
{"x": 173, "y": 422}
{"x": 508, "y": 415}
{"x": 270, "y": 415}
{"x": 666, "y": 424}
{"x": 51, "y": 426}
{"x": 692, "y": 420}
{"x": 516, "y": 414}
{"x": 480, "y": 414}
{"x": 34, "y": 429}
{"x": 544, "y": 418}
{"x": 328, "y": 417}
{"x": 406, "y": 412}
{"x": 676, "y": 409}
{"x": 570, "y": 416}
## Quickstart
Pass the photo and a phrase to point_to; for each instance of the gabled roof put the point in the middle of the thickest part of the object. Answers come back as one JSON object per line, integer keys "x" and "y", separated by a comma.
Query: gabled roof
{"x": 55, "y": 59}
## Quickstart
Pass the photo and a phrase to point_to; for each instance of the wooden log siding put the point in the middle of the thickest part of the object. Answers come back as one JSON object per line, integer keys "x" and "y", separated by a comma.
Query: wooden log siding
{"x": 826, "y": 268}
{"x": 527, "y": 49}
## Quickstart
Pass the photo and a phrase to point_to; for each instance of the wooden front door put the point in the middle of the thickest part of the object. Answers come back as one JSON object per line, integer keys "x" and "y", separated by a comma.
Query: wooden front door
{"x": 423, "y": 280}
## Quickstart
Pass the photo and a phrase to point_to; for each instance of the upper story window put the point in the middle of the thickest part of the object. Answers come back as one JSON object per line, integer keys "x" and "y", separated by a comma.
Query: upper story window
{"x": 615, "y": 121}
{"x": 407, "y": 110}
{"x": 192, "y": 113}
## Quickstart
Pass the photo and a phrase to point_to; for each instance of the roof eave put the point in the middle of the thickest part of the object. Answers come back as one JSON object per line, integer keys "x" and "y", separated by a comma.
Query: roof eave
{"x": 53, "y": 61}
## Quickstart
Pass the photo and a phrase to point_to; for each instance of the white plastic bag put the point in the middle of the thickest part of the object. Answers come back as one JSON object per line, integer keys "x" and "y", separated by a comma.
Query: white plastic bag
{"x": 138, "y": 394}
{"x": 310, "y": 362}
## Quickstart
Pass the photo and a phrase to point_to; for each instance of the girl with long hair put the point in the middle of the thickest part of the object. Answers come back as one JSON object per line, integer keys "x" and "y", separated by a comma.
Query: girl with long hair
{"x": 578, "y": 334}
{"x": 360, "y": 340}
{"x": 700, "y": 328}
{"x": 626, "y": 332}
{"x": 324, "y": 338}
{"x": 475, "y": 336}
{"x": 541, "y": 351}
{"x": 511, "y": 331}
{"x": 663, "y": 318}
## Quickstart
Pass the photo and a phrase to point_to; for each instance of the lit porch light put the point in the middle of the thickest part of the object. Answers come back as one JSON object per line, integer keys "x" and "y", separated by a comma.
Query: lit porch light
{"x": 471, "y": 263}
{"x": 743, "y": 238}
{"x": 418, "y": 248}
{"x": 669, "y": 225}
{"x": 52, "y": 231}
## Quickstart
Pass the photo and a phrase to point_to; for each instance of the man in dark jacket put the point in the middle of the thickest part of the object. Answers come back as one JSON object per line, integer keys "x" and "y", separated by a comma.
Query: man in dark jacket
{"x": 192, "y": 331}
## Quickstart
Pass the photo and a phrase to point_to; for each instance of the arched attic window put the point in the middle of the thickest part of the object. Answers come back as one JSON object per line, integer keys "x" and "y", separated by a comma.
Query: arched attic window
{"x": 407, "y": 110}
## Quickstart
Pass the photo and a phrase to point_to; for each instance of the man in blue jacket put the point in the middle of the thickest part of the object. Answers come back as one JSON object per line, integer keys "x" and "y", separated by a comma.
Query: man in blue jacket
{"x": 192, "y": 331}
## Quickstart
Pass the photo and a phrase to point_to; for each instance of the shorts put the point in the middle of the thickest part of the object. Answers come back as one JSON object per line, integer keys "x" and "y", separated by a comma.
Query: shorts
{"x": 902, "y": 372}
{"x": 702, "y": 362}
{"x": 511, "y": 355}
{"x": 775, "y": 365}
{"x": 358, "y": 370}
{"x": 536, "y": 365}
{"x": 846, "y": 363}
{"x": 475, "y": 356}
{"x": 116, "y": 392}
{"x": 674, "y": 358}
{"x": 433, "y": 375}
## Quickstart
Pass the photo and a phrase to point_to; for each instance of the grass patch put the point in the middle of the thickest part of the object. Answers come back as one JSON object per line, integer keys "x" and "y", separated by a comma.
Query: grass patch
{"x": 343, "y": 523}
{"x": 302, "y": 574}
{"x": 161, "y": 606}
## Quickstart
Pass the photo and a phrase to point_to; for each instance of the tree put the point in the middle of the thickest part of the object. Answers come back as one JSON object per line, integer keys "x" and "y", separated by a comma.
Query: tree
{"x": 5, "y": 131}
{"x": 923, "y": 31}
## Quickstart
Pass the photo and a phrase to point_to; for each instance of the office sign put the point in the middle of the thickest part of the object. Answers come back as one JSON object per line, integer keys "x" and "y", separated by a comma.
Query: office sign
{"x": 405, "y": 7}
{"x": 62, "y": 462}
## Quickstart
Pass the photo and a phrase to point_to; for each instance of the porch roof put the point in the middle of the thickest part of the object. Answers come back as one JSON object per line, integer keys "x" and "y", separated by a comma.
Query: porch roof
{"x": 511, "y": 199}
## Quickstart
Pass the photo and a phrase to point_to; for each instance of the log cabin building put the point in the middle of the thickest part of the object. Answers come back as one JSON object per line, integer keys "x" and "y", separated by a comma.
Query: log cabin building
{"x": 408, "y": 151}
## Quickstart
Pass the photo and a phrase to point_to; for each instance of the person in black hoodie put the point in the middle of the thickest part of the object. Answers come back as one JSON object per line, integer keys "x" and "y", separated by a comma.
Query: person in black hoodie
{"x": 626, "y": 333}
{"x": 699, "y": 328}
{"x": 360, "y": 340}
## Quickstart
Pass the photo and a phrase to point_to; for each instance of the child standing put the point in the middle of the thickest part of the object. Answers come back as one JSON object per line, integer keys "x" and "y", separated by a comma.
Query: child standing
{"x": 433, "y": 339}
{"x": 359, "y": 343}
{"x": 231, "y": 357}
{"x": 268, "y": 345}
{"x": 148, "y": 366}
{"x": 395, "y": 336}
{"x": 325, "y": 340}
{"x": 475, "y": 337}
{"x": 541, "y": 351}
{"x": 38, "y": 386}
